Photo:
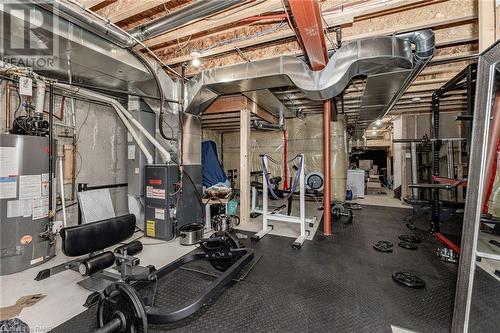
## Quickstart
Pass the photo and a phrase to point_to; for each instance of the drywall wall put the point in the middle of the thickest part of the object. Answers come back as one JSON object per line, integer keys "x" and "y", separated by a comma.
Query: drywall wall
{"x": 101, "y": 139}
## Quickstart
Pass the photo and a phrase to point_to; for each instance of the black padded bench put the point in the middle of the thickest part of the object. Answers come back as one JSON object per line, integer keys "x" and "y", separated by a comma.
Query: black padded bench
{"x": 88, "y": 242}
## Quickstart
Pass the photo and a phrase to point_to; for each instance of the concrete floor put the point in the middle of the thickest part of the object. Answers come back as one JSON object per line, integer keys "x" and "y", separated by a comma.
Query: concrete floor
{"x": 386, "y": 199}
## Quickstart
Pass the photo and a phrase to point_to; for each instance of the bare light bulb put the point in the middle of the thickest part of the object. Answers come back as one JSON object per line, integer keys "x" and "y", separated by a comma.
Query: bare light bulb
{"x": 196, "y": 62}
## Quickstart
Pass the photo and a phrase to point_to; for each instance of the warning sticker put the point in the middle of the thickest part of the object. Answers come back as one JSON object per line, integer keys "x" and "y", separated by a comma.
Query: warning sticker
{"x": 150, "y": 228}
{"x": 159, "y": 214}
{"x": 155, "y": 193}
{"x": 45, "y": 184}
{"x": 40, "y": 208}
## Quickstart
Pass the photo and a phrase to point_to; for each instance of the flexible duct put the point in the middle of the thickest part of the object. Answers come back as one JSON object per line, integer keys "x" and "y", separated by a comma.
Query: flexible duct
{"x": 425, "y": 46}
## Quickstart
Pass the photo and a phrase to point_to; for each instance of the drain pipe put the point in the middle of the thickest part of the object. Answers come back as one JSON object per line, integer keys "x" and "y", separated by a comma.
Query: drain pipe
{"x": 95, "y": 96}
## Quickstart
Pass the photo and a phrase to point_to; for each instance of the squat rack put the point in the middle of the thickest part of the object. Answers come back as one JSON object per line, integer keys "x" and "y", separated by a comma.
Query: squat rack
{"x": 465, "y": 79}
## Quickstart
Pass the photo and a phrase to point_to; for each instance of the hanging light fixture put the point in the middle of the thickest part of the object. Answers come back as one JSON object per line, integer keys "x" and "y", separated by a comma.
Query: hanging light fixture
{"x": 196, "y": 58}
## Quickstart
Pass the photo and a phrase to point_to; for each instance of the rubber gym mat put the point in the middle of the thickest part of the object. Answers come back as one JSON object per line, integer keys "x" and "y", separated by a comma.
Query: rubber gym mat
{"x": 332, "y": 284}
{"x": 485, "y": 303}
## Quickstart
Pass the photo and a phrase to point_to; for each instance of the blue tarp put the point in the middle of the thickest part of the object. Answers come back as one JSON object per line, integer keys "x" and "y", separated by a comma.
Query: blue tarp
{"x": 213, "y": 172}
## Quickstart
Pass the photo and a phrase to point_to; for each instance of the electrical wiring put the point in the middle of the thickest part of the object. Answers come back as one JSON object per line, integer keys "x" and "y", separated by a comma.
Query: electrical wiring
{"x": 326, "y": 28}
{"x": 83, "y": 124}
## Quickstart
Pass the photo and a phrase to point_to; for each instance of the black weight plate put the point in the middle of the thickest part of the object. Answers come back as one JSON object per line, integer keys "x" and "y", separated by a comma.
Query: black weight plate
{"x": 385, "y": 243}
{"x": 408, "y": 246}
{"x": 383, "y": 247}
{"x": 233, "y": 243}
{"x": 410, "y": 238}
{"x": 408, "y": 279}
{"x": 122, "y": 298}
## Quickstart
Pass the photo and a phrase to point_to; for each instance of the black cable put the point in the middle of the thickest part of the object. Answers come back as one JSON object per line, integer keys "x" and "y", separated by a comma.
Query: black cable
{"x": 160, "y": 92}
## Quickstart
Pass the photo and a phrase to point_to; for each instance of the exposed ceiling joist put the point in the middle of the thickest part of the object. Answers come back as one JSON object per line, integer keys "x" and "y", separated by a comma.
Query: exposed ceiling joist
{"x": 124, "y": 9}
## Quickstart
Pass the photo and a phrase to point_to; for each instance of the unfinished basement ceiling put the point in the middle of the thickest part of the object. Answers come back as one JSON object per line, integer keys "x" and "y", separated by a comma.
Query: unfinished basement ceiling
{"x": 237, "y": 36}
{"x": 253, "y": 30}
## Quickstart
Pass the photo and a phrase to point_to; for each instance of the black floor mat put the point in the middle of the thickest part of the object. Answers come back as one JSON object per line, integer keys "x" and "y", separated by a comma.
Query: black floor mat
{"x": 485, "y": 303}
{"x": 332, "y": 284}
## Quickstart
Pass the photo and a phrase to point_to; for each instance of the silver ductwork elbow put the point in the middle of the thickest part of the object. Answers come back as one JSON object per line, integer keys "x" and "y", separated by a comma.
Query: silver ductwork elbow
{"x": 424, "y": 42}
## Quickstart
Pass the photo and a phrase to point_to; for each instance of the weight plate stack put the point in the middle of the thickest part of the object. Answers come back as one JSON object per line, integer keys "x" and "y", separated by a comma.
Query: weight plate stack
{"x": 231, "y": 242}
{"x": 410, "y": 238}
{"x": 121, "y": 301}
{"x": 408, "y": 245}
{"x": 408, "y": 280}
{"x": 383, "y": 246}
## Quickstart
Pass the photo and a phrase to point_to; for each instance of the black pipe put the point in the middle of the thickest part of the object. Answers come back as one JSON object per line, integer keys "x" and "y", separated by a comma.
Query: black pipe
{"x": 51, "y": 149}
{"x": 435, "y": 216}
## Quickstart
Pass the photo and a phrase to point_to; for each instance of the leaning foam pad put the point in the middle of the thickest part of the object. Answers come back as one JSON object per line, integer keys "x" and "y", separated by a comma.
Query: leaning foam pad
{"x": 91, "y": 237}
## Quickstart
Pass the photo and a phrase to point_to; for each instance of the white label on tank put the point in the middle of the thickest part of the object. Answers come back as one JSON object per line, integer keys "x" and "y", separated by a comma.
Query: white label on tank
{"x": 13, "y": 208}
{"x": 8, "y": 187}
{"x": 9, "y": 163}
{"x": 25, "y": 208}
{"x": 30, "y": 186}
{"x": 40, "y": 208}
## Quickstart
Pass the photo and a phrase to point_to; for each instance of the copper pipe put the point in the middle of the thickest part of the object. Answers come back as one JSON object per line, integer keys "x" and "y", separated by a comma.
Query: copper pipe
{"x": 494, "y": 136}
{"x": 327, "y": 217}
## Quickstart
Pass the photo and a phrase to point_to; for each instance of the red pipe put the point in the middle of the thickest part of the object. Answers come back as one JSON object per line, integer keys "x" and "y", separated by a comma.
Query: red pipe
{"x": 494, "y": 136}
{"x": 308, "y": 25}
{"x": 446, "y": 242}
{"x": 327, "y": 199}
{"x": 285, "y": 167}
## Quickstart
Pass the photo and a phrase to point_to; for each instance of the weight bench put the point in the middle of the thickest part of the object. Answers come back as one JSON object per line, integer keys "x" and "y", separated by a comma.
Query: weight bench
{"x": 88, "y": 242}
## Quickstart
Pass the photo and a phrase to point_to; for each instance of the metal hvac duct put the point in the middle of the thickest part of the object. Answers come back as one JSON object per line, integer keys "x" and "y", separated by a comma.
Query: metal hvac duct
{"x": 388, "y": 58}
{"x": 186, "y": 15}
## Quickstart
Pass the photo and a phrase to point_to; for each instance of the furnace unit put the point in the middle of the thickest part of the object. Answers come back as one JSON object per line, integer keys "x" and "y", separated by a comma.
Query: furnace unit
{"x": 160, "y": 193}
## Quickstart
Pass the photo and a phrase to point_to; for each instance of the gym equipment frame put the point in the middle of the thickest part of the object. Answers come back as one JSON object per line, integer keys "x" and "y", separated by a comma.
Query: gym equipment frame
{"x": 267, "y": 216}
{"x": 121, "y": 309}
{"x": 483, "y": 129}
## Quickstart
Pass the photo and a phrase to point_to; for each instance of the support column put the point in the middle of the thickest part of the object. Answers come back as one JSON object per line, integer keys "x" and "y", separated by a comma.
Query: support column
{"x": 245, "y": 165}
{"x": 486, "y": 22}
{"x": 327, "y": 218}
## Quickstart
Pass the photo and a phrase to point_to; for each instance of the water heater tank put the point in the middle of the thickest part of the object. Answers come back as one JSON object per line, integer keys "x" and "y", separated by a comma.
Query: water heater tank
{"x": 24, "y": 202}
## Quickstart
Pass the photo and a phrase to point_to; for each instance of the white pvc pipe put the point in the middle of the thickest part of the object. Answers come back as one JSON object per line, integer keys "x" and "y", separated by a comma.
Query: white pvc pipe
{"x": 40, "y": 96}
{"x": 134, "y": 121}
{"x": 100, "y": 97}
{"x": 61, "y": 186}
